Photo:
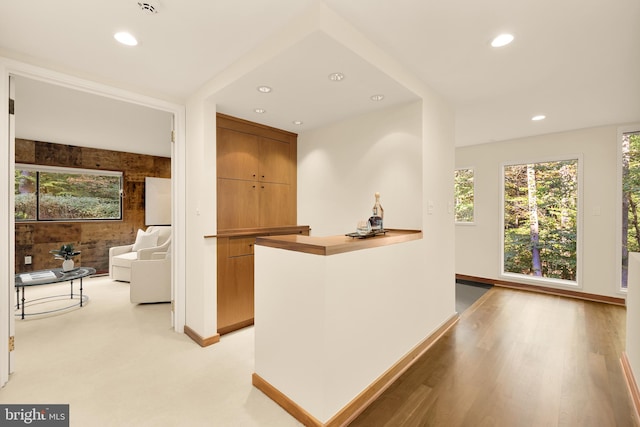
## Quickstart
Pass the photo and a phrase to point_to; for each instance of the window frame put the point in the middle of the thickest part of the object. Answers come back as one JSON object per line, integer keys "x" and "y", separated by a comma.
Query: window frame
{"x": 473, "y": 221}
{"x": 68, "y": 170}
{"x": 618, "y": 279}
{"x": 545, "y": 281}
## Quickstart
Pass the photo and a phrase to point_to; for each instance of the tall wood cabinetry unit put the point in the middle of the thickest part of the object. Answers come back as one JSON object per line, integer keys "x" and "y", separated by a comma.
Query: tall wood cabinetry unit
{"x": 256, "y": 196}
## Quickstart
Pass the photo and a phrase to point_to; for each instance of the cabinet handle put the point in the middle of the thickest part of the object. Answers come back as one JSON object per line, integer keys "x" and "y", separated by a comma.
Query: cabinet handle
{"x": 253, "y": 186}
{"x": 262, "y": 186}
{"x": 254, "y": 175}
{"x": 262, "y": 176}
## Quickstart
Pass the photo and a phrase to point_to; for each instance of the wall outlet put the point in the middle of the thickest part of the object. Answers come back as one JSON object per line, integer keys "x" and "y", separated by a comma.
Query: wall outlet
{"x": 27, "y": 260}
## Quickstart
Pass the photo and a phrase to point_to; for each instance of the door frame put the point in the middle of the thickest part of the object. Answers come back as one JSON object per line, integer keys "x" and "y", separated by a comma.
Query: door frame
{"x": 9, "y": 67}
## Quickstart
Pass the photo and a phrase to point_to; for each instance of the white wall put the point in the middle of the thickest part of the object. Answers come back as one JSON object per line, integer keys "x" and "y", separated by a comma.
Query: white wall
{"x": 341, "y": 166}
{"x": 478, "y": 246}
{"x": 352, "y": 323}
{"x": 200, "y": 201}
{"x": 54, "y": 113}
{"x": 407, "y": 154}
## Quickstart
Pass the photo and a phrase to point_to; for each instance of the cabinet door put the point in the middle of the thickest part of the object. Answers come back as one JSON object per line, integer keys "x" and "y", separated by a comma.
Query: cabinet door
{"x": 239, "y": 246}
{"x": 237, "y": 155}
{"x": 235, "y": 289}
{"x": 275, "y": 161}
{"x": 238, "y": 204}
{"x": 275, "y": 205}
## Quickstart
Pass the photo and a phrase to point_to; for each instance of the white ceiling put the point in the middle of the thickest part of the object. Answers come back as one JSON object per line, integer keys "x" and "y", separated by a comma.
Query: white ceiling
{"x": 46, "y": 112}
{"x": 304, "y": 92}
{"x": 577, "y": 61}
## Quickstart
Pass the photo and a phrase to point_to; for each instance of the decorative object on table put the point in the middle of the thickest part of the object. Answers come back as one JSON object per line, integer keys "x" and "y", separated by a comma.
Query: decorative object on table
{"x": 364, "y": 227}
{"x": 66, "y": 253}
{"x": 374, "y": 225}
{"x": 377, "y": 216}
{"x": 371, "y": 233}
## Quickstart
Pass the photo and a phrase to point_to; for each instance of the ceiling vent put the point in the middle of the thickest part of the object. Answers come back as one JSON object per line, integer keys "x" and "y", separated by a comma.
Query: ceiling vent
{"x": 149, "y": 7}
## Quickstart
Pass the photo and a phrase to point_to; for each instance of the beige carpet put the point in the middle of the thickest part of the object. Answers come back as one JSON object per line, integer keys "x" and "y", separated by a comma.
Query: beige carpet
{"x": 120, "y": 364}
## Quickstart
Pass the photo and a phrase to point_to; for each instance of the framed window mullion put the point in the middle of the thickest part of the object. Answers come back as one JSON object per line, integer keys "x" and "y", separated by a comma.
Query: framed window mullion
{"x": 37, "y": 196}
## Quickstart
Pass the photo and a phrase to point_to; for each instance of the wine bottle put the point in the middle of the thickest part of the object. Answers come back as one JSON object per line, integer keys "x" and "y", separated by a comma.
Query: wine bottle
{"x": 377, "y": 216}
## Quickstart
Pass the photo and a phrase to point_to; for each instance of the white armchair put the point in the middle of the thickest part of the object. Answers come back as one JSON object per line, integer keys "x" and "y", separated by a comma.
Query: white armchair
{"x": 155, "y": 239}
{"x": 151, "y": 279}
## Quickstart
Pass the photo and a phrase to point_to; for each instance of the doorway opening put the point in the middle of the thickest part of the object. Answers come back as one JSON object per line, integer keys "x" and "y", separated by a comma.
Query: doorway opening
{"x": 85, "y": 95}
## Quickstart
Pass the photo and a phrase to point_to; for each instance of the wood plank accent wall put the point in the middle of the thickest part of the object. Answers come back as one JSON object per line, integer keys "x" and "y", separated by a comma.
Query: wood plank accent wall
{"x": 92, "y": 238}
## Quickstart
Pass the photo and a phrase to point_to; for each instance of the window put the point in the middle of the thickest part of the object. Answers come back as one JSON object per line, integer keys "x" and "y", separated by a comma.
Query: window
{"x": 540, "y": 220}
{"x": 630, "y": 199}
{"x": 45, "y": 193}
{"x": 464, "y": 195}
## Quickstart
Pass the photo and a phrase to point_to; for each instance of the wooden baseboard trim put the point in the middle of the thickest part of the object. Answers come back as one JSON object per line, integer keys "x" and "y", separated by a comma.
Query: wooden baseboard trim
{"x": 287, "y": 404}
{"x": 235, "y": 326}
{"x": 354, "y": 408}
{"x": 631, "y": 383}
{"x": 545, "y": 290}
{"x": 203, "y": 342}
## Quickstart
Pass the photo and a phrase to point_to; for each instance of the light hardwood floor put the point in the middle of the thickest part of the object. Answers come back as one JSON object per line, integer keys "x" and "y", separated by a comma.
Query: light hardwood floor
{"x": 515, "y": 359}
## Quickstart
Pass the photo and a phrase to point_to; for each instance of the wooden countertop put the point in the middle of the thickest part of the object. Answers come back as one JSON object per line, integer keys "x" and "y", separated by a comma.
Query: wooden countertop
{"x": 332, "y": 245}
{"x": 289, "y": 229}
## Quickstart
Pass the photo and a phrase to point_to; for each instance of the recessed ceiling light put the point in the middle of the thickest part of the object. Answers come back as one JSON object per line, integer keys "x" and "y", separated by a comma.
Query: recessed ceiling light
{"x": 260, "y": 110}
{"x": 125, "y": 38}
{"x": 378, "y": 97}
{"x": 502, "y": 40}
{"x": 336, "y": 77}
{"x": 538, "y": 117}
{"x": 264, "y": 89}
{"x": 297, "y": 122}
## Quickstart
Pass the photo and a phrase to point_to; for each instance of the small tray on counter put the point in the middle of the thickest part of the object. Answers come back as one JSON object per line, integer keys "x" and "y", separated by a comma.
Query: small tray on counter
{"x": 372, "y": 233}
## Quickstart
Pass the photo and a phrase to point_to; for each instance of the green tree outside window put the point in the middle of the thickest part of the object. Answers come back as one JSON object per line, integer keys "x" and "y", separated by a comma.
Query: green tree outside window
{"x": 463, "y": 195}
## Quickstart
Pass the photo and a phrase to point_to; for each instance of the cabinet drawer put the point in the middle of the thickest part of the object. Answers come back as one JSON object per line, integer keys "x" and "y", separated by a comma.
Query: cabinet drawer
{"x": 239, "y": 246}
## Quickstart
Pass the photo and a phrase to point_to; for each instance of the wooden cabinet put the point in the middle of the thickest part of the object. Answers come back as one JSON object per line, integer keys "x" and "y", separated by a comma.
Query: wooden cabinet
{"x": 251, "y": 157}
{"x": 250, "y": 204}
{"x": 235, "y": 291}
{"x": 256, "y": 176}
{"x": 256, "y": 196}
{"x": 238, "y": 204}
{"x": 275, "y": 161}
{"x": 237, "y": 155}
{"x": 273, "y": 206}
